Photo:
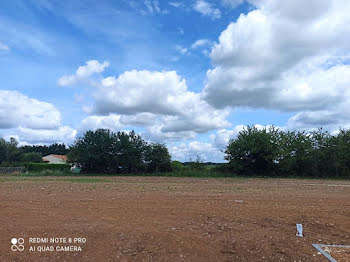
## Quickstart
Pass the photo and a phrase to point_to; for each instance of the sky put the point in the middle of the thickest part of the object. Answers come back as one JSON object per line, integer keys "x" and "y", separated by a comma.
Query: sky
{"x": 189, "y": 74}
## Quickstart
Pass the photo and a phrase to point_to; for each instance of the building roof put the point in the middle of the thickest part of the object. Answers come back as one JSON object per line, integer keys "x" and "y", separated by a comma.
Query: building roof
{"x": 63, "y": 157}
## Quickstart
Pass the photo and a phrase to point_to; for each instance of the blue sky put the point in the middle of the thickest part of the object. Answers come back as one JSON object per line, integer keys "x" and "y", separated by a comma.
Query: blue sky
{"x": 189, "y": 74}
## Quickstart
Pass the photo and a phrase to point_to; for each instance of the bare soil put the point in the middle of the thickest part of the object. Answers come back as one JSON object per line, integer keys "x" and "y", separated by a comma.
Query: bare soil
{"x": 173, "y": 219}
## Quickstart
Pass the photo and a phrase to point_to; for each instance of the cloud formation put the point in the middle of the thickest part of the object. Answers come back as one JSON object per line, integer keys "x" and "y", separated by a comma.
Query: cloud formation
{"x": 164, "y": 95}
{"x": 31, "y": 121}
{"x": 17, "y": 109}
{"x": 83, "y": 72}
{"x": 63, "y": 134}
{"x": 200, "y": 43}
{"x": 206, "y": 9}
{"x": 284, "y": 57}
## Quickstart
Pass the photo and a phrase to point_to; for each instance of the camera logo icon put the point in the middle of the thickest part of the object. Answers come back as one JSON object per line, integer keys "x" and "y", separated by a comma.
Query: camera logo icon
{"x": 17, "y": 244}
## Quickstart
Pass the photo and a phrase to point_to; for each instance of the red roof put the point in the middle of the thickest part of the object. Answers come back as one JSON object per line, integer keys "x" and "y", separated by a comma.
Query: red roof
{"x": 61, "y": 157}
{"x": 57, "y": 156}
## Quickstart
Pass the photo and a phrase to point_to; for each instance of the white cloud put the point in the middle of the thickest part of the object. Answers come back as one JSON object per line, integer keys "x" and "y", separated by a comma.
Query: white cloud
{"x": 284, "y": 57}
{"x": 206, "y": 9}
{"x": 17, "y": 109}
{"x": 94, "y": 122}
{"x": 176, "y": 4}
{"x": 232, "y": 3}
{"x": 83, "y": 72}
{"x": 153, "y": 7}
{"x": 3, "y": 47}
{"x": 164, "y": 95}
{"x": 160, "y": 102}
{"x": 155, "y": 133}
{"x": 63, "y": 134}
{"x": 141, "y": 119}
{"x": 200, "y": 43}
{"x": 222, "y": 136}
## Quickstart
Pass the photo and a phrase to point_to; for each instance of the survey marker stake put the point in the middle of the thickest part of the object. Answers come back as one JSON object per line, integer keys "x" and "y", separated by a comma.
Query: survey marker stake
{"x": 300, "y": 230}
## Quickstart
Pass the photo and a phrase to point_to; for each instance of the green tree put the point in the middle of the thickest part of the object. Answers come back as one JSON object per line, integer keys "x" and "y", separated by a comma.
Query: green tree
{"x": 32, "y": 157}
{"x": 58, "y": 149}
{"x": 158, "y": 158}
{"x": 254, "y": 151}
{"x": 95, "y": 151}
{"x": 131, "y": 150}
{"x": 295, "y": 153}
{"x": 3, "y": 150}
{"x": 103, "y": 151}
{"x": 341, "y": 147}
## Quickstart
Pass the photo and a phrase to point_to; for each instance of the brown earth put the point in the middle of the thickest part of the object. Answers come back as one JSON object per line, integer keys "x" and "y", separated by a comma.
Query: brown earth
{"x": 173, "y": 219}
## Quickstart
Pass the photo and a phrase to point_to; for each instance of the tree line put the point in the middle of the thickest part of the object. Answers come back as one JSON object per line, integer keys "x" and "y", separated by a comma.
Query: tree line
{"x": 100, "y": 151}
{"x": 272, "y": 152}
{"x": 11, "y": 154}
{"x": 257, "y": 152}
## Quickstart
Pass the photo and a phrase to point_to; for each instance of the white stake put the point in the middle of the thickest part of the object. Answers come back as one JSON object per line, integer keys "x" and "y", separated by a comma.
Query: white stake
{"x": 299, "y": 230}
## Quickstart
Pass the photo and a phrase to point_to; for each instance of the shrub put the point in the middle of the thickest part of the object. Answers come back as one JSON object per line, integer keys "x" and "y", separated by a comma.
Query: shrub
{"x": 177, "y": 166}
{"x": 38, "y": 167}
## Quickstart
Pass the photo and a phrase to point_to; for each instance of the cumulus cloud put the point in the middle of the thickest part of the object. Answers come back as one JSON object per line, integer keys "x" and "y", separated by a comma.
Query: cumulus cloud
{"x": 63, "y": 134}
{"x": 287, "y": 56}
{"x": 222, "y": 136}
{"x": 163, "y": 96}
{"x": 83, "y": 72}
{"x": 140, "y": 119}
{"x": 159, "y": 102}
{"x": 94, "y": 122}
{"x": 17, "y": 109}
{"x": 155, "y": 133}
{"x": 206, "y": 9}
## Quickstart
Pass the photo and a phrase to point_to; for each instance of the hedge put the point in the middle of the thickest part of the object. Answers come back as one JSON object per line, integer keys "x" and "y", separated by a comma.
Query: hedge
{"x": 38, "y": 167}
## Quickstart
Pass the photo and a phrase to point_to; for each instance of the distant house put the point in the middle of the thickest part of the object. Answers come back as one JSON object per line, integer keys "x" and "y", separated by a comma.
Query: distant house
{"x": 55, "y": 159}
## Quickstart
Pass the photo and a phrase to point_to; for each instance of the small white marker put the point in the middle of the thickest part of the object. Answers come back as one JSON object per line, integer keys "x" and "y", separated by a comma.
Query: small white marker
{"x": 299, "y": 230}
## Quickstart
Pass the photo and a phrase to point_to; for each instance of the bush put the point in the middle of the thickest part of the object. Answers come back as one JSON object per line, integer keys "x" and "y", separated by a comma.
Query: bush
{"x": 38, "y": 167}
{"x": 177, "y": 166}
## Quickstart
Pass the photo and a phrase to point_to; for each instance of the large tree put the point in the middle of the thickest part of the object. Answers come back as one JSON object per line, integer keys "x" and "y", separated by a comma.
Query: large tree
{"x": 254, "y": 151}
{"x": 158, "y": 158}
{"x": 9, "y": 151}
{"x": 95, "y": 151}
{"x": 103, "y": 151}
